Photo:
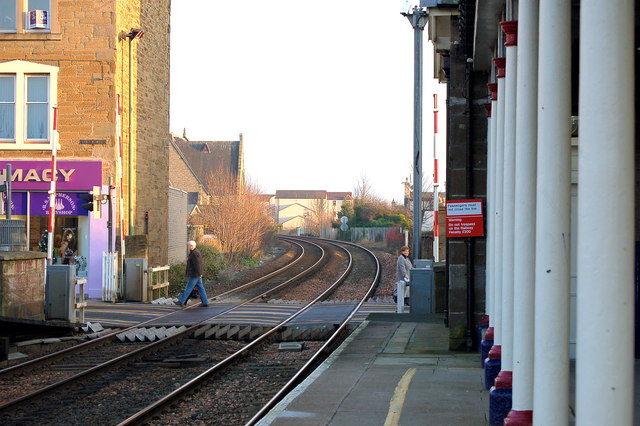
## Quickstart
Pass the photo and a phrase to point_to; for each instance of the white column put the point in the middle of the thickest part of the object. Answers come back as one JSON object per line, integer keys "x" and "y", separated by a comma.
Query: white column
{"x": 508, "y": 195}
{"x": 551, "y": 363}
{"x": 606, "y": 197}
{"x": 489, "y": 205}
{"x": 499, "y": 165}
{"x": 491, "y": 198}
{"x": 494, "y": 233}
{"x": 525, "y": 196}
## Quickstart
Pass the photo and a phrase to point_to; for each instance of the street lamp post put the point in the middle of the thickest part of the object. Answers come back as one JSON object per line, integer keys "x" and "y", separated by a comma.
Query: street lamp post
{"x": 418, "y": 18}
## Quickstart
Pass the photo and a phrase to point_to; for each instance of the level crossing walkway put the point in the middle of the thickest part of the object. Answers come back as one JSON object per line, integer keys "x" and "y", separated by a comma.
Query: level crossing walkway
{"x": 267, "y": 314}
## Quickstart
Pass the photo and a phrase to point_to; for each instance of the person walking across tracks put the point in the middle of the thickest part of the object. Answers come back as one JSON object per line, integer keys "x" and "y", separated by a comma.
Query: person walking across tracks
{"x": 194, "y": 277}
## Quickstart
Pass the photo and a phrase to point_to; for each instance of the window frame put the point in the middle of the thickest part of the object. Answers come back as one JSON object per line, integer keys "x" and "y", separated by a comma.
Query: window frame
{"x": 22, "y": 70}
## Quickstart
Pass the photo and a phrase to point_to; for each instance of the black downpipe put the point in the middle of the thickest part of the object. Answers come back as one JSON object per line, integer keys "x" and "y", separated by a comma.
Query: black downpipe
{"x": 469, "y": 242}
{"x": 446, "y": 268}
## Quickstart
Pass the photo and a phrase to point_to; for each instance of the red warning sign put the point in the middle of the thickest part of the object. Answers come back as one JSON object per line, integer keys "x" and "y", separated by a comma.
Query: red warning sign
{"x": 464, "y": 218}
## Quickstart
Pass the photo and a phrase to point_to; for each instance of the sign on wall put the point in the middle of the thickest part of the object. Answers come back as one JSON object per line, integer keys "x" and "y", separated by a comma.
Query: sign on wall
{"x": 464, "y": 218}
{"x": 36, "y": 175}
{"x": 67, "y": 204}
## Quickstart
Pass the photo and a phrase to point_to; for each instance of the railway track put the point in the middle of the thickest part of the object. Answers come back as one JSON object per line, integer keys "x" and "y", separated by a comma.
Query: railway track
{"x": 144, "y": 382}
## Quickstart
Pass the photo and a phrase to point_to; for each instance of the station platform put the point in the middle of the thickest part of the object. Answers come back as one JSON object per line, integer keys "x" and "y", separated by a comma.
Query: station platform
{"x": 393, "y": 369}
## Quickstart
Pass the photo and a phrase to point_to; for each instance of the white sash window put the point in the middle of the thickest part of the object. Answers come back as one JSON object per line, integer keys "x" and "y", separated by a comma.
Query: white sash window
{"x": 27, "y": 93}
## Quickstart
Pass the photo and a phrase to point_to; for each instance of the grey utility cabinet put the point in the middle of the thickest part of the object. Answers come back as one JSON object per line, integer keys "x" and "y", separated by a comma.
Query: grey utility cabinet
{"x": 60, "y": 292}
{"x": 135, "y": 279}
{"x": 422, "y": 300}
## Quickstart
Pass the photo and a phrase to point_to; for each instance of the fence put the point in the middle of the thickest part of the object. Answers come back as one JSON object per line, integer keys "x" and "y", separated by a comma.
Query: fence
{"x": 109, "y": 276}
{"x": 158, "y": 281}
{"x": 13, "y": 235}
{"x": 388, "y": 237}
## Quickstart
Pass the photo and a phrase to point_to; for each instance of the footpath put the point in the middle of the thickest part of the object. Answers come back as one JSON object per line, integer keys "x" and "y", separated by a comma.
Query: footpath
{"x": 394, "y": 369}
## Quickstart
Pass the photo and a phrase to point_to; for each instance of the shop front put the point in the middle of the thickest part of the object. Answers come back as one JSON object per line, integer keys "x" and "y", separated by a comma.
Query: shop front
{"x": 79, "y": 238}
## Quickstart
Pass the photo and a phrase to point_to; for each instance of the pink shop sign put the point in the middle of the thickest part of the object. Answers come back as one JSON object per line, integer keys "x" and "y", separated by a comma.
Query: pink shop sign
{"x": 36, "y": 175}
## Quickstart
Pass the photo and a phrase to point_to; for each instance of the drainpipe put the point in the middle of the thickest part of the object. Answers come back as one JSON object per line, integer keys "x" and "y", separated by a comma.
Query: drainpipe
{"x": 133, "y": 34}
{"x": 469, "y": 241}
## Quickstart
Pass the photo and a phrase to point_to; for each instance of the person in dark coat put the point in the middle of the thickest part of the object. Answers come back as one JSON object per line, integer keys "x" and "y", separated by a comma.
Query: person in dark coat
{"x": 194, "y": 277}
{"x": 403, "y": 268}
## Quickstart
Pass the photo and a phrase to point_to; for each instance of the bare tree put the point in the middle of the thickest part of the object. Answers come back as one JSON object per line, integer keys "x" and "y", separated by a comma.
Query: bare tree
{"x": 362, "y": 191}
{"x": 237, "y": 217}
{"x": 321, "y": 218}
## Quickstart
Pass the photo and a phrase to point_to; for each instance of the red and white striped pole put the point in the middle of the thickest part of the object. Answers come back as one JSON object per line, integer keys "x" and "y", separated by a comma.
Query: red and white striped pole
{"x": 52, "y": 190}
{"x": 436, "y": 223}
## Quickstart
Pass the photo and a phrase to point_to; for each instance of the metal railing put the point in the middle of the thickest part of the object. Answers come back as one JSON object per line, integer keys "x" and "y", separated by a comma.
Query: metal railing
{"x": 13, "y": 235}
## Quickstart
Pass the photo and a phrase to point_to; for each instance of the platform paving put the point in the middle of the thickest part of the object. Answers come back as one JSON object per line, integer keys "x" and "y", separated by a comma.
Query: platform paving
{"x": 395, "y": 369}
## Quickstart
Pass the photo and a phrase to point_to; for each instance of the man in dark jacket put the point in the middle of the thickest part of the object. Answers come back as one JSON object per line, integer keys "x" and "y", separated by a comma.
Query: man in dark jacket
{"x": 194, "y": 275}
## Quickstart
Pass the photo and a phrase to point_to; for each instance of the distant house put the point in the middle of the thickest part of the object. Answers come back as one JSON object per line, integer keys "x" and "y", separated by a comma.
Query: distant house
{"x": 337, "y": 199}
{"x": 183, "y": 177}
{"x": 193, "y": 164}
{"x": 307, "y": 210}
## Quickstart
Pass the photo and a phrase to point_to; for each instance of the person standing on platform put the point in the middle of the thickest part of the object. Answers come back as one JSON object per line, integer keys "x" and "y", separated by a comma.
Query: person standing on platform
{"x": 403, "y": 266}
{"x": 194, "y": 277}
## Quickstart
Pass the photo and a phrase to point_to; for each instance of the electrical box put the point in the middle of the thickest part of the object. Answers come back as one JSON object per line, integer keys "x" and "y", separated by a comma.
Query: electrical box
{"x": 135, "y": 279}
{"x": 60, "y": 292}
{"x": 422, "y": 300}
{"x": 423, "y": 263}
{"x": 38, "y": 19}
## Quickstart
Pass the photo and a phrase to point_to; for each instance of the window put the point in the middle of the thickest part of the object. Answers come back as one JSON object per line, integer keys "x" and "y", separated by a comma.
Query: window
{"x": 31, "y": 18}
{"x": 7, "y": 107}
{"x": 37, "y": 106}
{"x": 8, "y": 14}
{"x": 27, "y": 93}
{"x": 27, "y": 18}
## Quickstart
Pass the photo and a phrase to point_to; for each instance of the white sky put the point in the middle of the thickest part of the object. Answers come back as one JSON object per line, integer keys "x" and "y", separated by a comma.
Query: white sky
{"x": 321, "y": 91}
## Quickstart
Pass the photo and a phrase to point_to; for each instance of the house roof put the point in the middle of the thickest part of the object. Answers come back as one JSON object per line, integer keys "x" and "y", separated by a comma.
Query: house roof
{"x": 339, "y": 196}
{"x": 301, "y": 194}
{"x": 206, "y": 157}
{"x": 186, "y": 162}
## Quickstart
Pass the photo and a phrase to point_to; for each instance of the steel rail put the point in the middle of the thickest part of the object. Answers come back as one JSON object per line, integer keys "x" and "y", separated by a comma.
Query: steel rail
{"x": 105, "y": 339}
{"x": 200, "y": 380}
{"x": 263, "y": 278}
{"x": 312, "y": 363}
{"x": 136, "y": 354}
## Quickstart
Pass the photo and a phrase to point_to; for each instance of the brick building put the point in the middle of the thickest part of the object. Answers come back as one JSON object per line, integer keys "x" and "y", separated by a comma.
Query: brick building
{"x": 111, "y": 87}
